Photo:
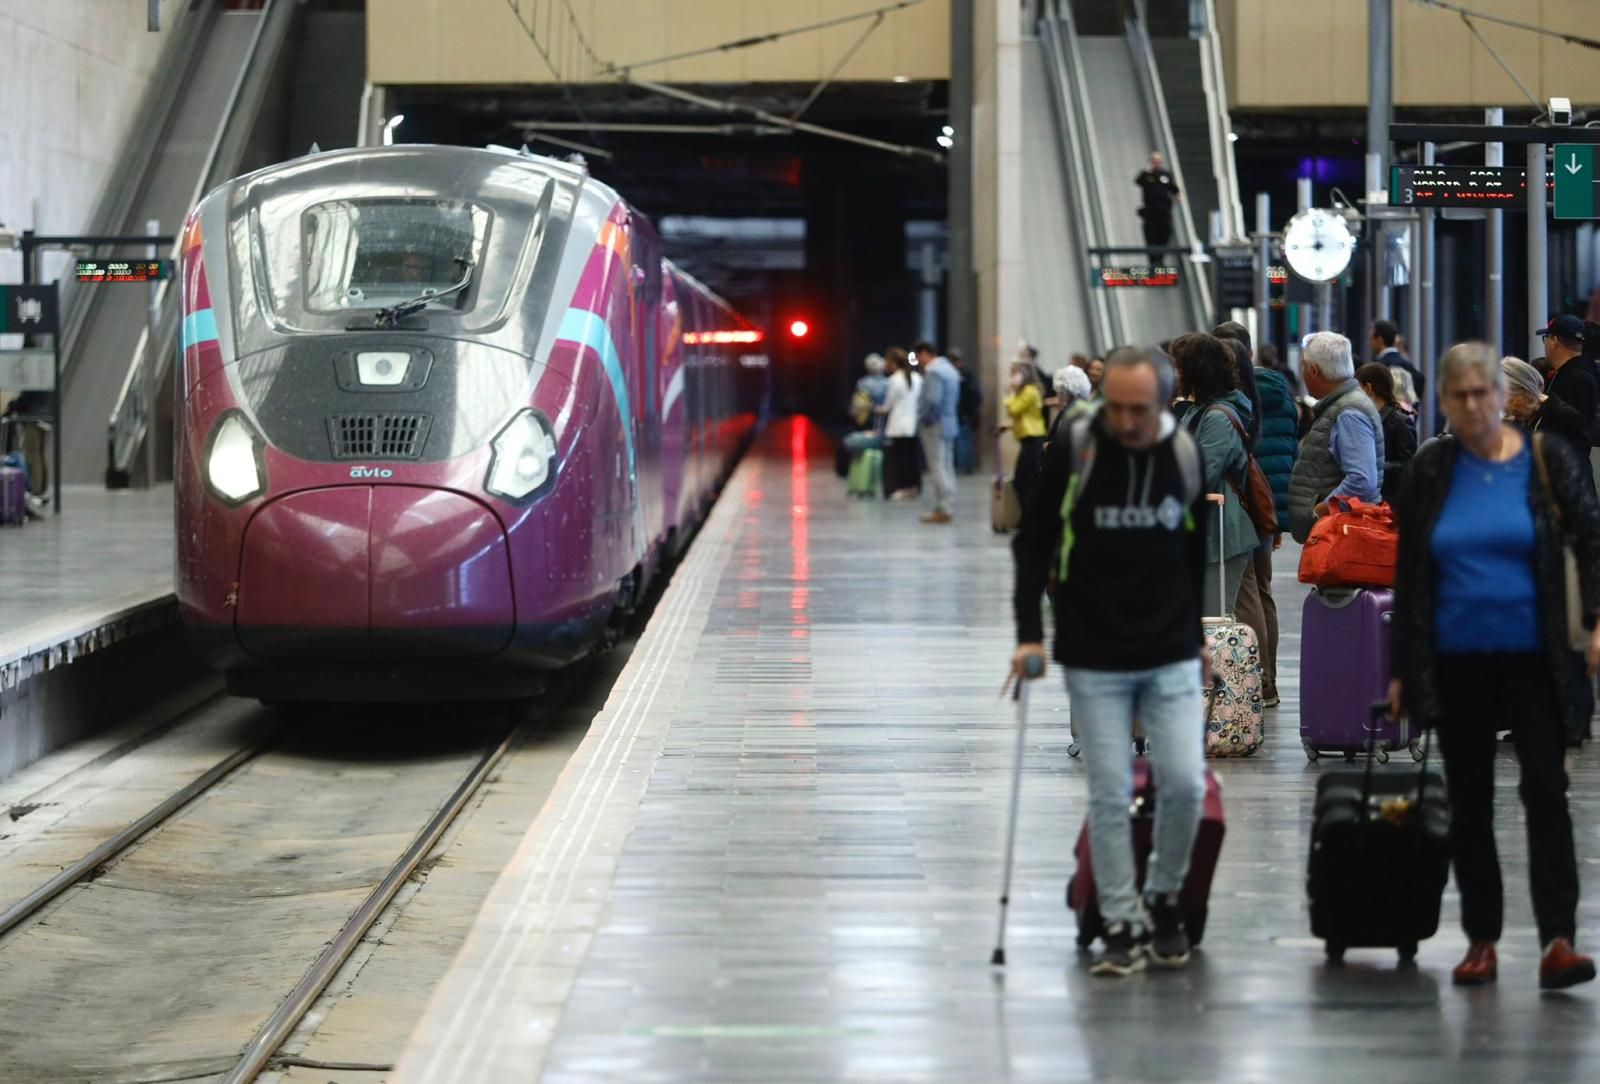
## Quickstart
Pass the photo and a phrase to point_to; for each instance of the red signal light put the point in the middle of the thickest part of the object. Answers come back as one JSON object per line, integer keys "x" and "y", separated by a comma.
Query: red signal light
{"x": 799, "y": 329}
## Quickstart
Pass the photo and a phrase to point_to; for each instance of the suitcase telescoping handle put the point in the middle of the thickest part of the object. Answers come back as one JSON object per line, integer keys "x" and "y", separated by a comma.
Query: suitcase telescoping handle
{"x": 1380, "y": 711}
{"x": 1221, "y": 501}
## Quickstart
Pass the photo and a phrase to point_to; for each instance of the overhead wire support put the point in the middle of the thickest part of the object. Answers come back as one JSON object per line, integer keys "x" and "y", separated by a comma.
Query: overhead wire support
{"x": 816, "y": 91}
{"x": 623, "y": 74}
{"x": 1500, "y": 61}
{"x": 784, "y": 122}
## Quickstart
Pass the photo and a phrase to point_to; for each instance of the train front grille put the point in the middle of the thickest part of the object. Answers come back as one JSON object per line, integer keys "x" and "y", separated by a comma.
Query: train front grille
{"x": 378, "y": 435}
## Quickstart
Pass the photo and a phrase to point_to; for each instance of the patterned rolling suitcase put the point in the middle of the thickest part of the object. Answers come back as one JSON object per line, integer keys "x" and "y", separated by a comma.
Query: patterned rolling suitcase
{"x": 1233, "y": 722}
{"x": 13, "y": 496}
{"x": 866, "y": 474}
{"x": 1344, "y": 668}
{"x": 1195, "y": 898}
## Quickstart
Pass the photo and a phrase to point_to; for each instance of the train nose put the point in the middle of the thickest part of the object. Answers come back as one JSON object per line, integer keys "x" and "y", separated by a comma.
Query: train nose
{"x": 361, "y": 573}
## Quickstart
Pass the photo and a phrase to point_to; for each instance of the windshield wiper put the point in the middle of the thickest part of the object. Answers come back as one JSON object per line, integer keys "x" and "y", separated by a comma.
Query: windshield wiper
{"x": 392, "y": 315}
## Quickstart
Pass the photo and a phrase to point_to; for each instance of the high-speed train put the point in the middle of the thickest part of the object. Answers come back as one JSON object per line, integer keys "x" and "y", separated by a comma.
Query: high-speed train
{"x": 442, "y": 414}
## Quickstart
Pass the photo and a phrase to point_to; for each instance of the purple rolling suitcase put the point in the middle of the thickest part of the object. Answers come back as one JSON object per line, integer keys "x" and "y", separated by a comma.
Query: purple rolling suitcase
{"x": 1344, "y": 669}
{"x": 13, "y": 496}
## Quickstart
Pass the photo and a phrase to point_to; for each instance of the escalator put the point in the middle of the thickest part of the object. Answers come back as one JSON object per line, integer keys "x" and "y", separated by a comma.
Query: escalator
{"x": 227, "y": 106}
{"x": 1116, "y": 109}
{"x": 1057, "y": 303}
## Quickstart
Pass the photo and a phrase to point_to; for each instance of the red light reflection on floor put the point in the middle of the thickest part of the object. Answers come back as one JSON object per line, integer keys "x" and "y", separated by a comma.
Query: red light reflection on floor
{"x": 799, "y": 522}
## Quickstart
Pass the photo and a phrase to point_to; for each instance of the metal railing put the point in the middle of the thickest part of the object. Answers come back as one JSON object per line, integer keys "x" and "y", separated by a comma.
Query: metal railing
{"x": 132, "y": 418}
{"x": 1220, "y": 123}
{"x": 1071, "y": 124}
{"x": 1197, "y": 289}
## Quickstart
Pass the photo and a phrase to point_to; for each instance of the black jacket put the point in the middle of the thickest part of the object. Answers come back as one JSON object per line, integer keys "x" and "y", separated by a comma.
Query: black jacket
{"x": 1576, "y": 385}
{"x": 1132, "y": 596}
{"x": 1399, "y": 445}
{"x": 1426, "y": 487}
{"x": 1558, "y": 419}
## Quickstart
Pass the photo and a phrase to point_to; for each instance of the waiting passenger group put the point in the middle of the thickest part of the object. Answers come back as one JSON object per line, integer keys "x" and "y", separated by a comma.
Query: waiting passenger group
{"x": 1489, "y": 516}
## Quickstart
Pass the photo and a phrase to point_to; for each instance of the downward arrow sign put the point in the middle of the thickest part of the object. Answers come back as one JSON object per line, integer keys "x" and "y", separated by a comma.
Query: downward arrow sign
{"x": 1573, "y": 166}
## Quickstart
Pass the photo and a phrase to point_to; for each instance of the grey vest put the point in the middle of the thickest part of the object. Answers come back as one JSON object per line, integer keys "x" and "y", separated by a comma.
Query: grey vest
{"x": 1316, "y": 472}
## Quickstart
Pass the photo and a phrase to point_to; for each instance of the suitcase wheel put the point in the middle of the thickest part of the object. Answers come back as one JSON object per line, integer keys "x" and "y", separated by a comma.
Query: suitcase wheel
{"x": 1381, "y": 755}
{"x": 1311, "y": 750}
{"x": 1408, "y": 954}
{"x": 1416, "y": 752}
{"x": 1335, "y": 954}
{"x": 1074, "y": 749}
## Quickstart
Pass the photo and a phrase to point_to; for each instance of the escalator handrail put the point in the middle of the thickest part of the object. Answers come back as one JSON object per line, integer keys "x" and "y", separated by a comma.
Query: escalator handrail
{"x": 1196, "y": 289}
{"x": 128, "y": 423}
{"x": 1082, "y": 207}
{"x": 1220, "y": 124}
{"x": 157, "y": 107}
{"x": 1078, "y": 93}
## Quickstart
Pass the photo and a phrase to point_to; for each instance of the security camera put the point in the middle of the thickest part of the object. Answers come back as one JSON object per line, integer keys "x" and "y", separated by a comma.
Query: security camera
{"x": 1561, "y": 112}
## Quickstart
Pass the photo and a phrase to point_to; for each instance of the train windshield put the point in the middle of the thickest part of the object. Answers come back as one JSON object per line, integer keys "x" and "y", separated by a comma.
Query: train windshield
{"x": 371, "y": 253}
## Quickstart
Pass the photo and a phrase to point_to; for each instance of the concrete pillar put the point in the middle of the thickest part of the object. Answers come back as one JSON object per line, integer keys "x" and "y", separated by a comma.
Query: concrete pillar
{"x": 997, "y": 228}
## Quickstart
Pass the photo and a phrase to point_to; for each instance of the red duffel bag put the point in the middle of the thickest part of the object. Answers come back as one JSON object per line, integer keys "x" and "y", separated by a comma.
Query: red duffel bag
{"x": 1354, "y": 545}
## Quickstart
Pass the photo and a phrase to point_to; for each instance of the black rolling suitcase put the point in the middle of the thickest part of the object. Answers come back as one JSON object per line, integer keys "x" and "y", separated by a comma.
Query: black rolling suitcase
{"x": 1380, "y": 856}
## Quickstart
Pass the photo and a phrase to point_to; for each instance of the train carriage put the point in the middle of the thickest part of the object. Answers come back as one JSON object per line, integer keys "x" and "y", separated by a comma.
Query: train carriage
{"x": 442, "y": 414}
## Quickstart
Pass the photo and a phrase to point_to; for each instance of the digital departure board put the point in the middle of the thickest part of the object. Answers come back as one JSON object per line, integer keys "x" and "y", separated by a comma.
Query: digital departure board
{"x": 1138, "y": 276}
{"x": 1458, "y": 186}
{"x": 124, "y": 270}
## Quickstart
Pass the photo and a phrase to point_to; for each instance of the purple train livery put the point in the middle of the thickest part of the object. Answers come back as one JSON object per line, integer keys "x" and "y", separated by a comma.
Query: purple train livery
{"x": 442, "y": 414}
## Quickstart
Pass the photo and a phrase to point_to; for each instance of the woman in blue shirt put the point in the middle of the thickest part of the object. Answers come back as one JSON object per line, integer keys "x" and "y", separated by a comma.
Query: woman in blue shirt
{"x": 1480, "y": 645}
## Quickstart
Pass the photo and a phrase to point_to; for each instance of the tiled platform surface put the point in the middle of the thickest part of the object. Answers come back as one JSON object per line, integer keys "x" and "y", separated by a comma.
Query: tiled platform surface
{"x": 776, "y": 857}
{"x": 74, "y": 582}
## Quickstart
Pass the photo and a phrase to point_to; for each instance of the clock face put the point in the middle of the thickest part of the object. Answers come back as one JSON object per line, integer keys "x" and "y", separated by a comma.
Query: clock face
{"x": 1318, "y": 245}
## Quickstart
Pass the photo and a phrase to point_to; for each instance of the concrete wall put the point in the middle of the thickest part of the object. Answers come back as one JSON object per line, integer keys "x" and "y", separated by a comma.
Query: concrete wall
{"x": 1314, "y": 53}
{"x": 481, "y": 41}
{"x": 72, "y": 74}
{"x": 997, "y": 236}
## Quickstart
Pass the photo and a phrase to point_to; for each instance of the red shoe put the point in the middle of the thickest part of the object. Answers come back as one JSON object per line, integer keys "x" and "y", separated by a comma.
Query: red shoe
{"x": 1479, "y": 967}
{"x": 1562, "y": 966}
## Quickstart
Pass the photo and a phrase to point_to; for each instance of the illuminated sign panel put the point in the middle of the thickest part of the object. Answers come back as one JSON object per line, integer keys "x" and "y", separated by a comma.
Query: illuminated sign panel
{"x": 124, "y": 270}
{"x": 695, "y": 338}
{"x": 1138, "y": 276}
{"x": 1458, "y": 186}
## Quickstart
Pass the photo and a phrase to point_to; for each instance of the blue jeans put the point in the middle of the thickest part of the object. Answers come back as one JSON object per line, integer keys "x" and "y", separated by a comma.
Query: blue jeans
{"x": 1171, "y": 711}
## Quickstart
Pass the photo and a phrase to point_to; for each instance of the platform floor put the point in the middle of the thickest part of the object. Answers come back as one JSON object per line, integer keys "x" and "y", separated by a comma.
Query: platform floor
{"x": 108, "y": 554}
{"x": 775, "y": 857}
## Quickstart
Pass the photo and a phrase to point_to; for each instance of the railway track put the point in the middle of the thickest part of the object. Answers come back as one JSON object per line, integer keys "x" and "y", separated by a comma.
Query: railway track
{"x": 31, "y": 912}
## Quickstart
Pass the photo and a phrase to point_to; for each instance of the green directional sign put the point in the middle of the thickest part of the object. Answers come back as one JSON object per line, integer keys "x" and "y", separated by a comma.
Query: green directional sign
{"x": 1576, "y": 193}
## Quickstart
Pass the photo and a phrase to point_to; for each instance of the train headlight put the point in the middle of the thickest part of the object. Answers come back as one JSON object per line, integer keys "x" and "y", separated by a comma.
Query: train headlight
{"x": 524, "y": 457}
{"x": 235, "y": 465}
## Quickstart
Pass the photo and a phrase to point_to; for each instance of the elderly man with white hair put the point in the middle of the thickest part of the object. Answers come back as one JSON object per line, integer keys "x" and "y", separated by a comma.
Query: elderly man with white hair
{"x": 1342, "y": 454}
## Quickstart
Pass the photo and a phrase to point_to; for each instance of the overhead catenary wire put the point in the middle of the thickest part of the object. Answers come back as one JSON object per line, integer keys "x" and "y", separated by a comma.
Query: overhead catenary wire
{"x": 622, "y": 74}
{"x": 765, "y": 39}
{"x": 1532, "y": 28}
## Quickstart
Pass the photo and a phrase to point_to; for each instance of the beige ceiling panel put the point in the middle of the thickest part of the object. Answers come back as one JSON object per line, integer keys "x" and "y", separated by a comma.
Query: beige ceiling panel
{"x": 875, "y": 57}
{"x": 480, "y": 41}
{"x": 402, "y": 41}
{"x": 1434, "y": 57}
{"x": 921, "y": 37}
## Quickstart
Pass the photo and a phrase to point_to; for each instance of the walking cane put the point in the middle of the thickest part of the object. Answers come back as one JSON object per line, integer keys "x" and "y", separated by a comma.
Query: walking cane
{"x": 1032, "y": 667}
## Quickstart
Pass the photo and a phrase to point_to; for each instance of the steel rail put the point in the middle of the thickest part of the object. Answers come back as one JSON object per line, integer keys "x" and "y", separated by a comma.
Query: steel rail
{"x": 127, "y": 837}
{"x": 259, "y": 1053}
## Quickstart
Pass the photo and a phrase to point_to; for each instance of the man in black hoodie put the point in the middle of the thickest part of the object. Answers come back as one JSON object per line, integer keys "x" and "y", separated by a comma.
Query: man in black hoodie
{"x": 1117, "y": 514}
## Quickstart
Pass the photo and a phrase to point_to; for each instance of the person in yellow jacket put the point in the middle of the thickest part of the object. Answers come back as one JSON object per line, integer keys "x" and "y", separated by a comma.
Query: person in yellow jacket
{"x": 1025, "y": 405}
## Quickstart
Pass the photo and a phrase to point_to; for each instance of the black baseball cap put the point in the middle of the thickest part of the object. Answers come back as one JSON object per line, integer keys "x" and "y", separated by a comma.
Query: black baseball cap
{"x": 1564, "y": 327}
